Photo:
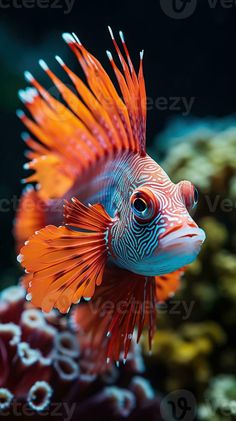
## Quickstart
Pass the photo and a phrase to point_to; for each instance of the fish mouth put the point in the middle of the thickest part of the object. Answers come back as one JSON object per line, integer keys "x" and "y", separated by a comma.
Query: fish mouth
{"x": 194, "y": 234}
{"x": 177, "y": 249}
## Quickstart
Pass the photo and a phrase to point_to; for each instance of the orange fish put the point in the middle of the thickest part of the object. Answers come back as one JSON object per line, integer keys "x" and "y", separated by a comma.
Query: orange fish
{"x": 126, "y": 233}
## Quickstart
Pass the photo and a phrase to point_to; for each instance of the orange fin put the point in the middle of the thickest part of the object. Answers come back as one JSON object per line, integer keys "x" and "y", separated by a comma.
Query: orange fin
{"x": 94, "y": 123}
{"x": 67, "y": 264}
{"x": 25, "y": 280}
{"x": 30, "y": 216}
{"x": 53, "y": 175}
{"x": 91, "y": 331}
{"x": 121, "y": 308}
{"x": 124, "y": 303}
{"x": 167, "y": 285}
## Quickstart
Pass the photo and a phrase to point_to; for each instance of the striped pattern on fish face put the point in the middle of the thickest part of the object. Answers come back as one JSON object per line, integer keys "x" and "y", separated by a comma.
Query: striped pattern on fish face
{"x": 159, "y": 244}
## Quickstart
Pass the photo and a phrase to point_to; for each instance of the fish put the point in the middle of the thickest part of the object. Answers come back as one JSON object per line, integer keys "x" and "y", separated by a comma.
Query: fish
{"x": 103, "y": 222}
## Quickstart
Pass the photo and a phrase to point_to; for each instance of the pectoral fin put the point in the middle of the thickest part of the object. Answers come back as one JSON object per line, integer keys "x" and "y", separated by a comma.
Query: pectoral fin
{"x": 66, "y": 264}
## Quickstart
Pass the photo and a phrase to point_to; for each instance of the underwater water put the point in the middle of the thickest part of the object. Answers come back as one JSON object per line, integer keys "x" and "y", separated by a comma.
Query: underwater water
{"x": 47, "y": 365}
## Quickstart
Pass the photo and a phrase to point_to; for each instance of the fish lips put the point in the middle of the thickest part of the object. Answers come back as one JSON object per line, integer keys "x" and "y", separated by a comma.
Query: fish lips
{"x": 175, "y": 250}
{"x": 190, "y": 235}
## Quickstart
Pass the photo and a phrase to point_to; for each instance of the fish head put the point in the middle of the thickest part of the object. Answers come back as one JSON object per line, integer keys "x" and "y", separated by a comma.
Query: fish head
{"x": 155, "y": 233}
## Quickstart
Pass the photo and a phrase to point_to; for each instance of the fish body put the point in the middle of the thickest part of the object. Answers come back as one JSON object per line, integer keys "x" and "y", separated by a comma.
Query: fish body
{"x": 126, "y": 233}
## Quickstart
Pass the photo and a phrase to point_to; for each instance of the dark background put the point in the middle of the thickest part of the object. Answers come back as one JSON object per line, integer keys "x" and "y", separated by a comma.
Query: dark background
{"x": 191, "y": 57}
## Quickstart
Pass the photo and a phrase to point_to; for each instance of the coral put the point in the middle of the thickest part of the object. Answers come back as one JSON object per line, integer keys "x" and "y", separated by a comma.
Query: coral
{"x": 208, "y": 145}
{"x": 47, "y": 368}
{"x": 38, "y": 351}
{"x": 220, "y": 400}
{"x": 184, "y": 354}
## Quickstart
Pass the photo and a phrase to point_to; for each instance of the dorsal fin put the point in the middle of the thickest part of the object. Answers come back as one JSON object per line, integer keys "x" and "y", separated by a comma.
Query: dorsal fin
{"x": 95, "y": 122}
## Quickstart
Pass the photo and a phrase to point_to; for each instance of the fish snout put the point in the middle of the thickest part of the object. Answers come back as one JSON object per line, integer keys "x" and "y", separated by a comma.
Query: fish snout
{"x": 189, "y": 232}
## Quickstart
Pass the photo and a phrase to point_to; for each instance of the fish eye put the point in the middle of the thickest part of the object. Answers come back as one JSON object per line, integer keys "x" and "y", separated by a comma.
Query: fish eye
{"x": 144, "y": 205}
{"x": 140, "y": 205}
{"x": 189, "y": 194}
{"x": 195, "y": 196}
